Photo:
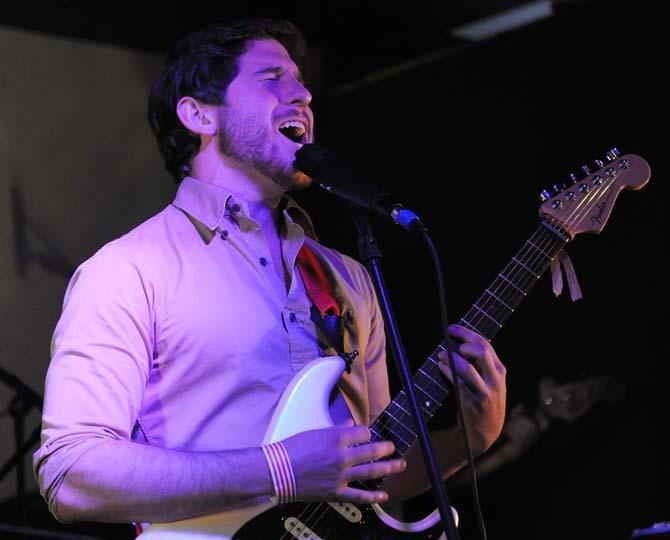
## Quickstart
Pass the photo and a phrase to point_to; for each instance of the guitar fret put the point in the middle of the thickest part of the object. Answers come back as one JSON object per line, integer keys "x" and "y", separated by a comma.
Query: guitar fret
{"x": 486, "y": 314}
{"x": 402, "y": 394}
{"x": 438, "y": 392}
{"x": 425, "y": 391}
{"x": 398, "y": 422}
{"x": 433, "y": 375}
{"x": 427, "y": 402}
{"x": 421, "y": 408}
{"x": 386, "y": 433}
{"x": 525, "y": 267}
{"x": 470, "y": 325}
{"x": 439, "y": 384}
{"x": 436, "y": 361}
{"x": 563, "y": 237}
{"x": 395, "y": 438}
{"x": 512, "y": 295}
{"x": 511, "y": 309}
{"x": 401, "y": 413}
{"x": 538, "y": 249}
{"x": 512, "y": 284}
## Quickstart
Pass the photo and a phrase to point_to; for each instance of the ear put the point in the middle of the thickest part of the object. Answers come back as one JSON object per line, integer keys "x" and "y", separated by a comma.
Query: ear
{"x": 197, "y": 117}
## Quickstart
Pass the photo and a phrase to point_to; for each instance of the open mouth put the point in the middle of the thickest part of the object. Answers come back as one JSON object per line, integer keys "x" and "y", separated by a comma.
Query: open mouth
{"x": 294, "y": 130}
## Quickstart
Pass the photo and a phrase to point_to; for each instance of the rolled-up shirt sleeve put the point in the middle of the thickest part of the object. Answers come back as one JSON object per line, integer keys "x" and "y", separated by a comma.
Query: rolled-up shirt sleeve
{"x": 101, "y": 353}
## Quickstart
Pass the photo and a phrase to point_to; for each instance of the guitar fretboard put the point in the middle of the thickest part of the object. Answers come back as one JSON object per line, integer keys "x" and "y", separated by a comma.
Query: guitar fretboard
{"x": 486, "y": 316}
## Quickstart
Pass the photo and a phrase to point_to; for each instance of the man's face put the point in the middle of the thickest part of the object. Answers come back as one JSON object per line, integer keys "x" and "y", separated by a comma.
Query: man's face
{"x": 264, "y": 105}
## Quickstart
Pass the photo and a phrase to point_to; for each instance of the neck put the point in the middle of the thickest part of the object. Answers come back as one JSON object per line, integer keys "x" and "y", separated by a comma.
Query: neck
{"x": 266, "y": 215}
{"x": 211, "y": 166}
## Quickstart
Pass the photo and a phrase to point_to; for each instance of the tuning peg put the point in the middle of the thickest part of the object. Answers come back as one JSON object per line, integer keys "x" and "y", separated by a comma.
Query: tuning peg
{"x": 558, "y": 187}
{"x": 599, "y": 163}
{"x": 586, "y": 170}
{"x": 613, "y": 154}
{"x": 572, "y": 178}
{"x": 545, "y": 195}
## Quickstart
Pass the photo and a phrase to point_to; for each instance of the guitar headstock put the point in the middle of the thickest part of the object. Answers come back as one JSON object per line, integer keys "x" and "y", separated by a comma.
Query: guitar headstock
{"x": 572, "y": 400}
{"x": 583, "y": 205}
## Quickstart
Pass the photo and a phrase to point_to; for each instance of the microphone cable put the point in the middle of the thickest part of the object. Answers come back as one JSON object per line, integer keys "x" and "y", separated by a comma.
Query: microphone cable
{"x": 439, "y": 278}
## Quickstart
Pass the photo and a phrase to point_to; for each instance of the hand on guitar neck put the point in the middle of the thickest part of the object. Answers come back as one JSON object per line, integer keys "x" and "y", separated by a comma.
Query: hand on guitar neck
{"x": 482, "y": 387}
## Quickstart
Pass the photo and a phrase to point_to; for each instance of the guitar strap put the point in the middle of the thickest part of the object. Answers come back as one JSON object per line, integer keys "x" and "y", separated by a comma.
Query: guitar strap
{"x": 325, "y": 313}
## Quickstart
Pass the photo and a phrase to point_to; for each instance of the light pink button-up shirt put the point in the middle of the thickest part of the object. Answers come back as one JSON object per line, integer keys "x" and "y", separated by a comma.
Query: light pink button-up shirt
{"x": 181, "y": 335}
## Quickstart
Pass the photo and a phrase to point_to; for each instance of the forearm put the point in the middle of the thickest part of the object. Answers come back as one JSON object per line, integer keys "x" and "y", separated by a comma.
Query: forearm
{"x": 450, "y": 457}
{"x": 121, "y": 481}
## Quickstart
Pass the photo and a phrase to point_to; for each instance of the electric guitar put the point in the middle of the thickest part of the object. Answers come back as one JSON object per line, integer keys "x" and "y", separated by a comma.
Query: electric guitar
{"x": 582, "y": 207}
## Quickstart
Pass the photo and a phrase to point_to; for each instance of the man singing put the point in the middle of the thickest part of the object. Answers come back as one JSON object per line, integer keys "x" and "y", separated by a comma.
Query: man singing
{"x": 177, "y": 340}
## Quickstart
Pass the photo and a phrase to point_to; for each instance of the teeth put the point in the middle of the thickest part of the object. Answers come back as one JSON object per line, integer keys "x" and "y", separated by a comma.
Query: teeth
{"x": 294, "y": 124}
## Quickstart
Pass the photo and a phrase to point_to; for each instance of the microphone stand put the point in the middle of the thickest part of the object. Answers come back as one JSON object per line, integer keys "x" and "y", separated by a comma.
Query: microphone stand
{"x": 19, "y": 407}
{"x": 370, "y": 254}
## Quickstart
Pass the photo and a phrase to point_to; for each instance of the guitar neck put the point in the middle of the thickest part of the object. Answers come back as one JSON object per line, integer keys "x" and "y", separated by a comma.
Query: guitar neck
{"x": 486, "y": 316}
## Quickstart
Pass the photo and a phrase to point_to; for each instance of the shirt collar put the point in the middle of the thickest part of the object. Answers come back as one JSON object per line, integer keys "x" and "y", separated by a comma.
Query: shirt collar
{"x": 204, "y": 201}
{"x": 296, "y": 214}
{"x": 209, "y": 204}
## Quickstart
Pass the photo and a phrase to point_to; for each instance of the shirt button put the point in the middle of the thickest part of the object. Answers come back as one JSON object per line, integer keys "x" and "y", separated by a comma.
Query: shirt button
{"x": 292, "y": 317}
{"x": 263, "y": 261}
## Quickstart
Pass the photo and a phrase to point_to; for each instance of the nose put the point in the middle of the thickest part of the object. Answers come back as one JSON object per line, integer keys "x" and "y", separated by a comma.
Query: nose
{"x": 297, "y": 93}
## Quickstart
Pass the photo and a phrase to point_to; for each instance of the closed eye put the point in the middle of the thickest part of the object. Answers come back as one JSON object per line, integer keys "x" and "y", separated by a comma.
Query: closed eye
{"x": 271, "y": 74}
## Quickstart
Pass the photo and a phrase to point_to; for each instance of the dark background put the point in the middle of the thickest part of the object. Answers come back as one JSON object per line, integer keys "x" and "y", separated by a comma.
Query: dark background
{"x": 468, "y": 140}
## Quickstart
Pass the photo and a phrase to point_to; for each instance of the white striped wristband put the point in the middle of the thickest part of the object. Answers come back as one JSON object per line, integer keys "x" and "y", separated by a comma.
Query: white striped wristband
{"x": 281, "y": 472}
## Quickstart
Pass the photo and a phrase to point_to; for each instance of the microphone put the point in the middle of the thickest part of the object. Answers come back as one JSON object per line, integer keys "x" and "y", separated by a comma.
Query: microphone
{"x": 339, "y": 178}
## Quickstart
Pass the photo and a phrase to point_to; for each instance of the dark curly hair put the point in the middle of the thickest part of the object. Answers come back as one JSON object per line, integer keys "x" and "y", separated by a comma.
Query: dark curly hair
{"x": 202, "y": 64}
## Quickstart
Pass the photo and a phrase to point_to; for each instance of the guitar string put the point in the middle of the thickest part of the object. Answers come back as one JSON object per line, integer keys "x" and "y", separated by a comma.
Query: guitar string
{"x": 515, "y": 273}
{"x": 501, "y": 289}
{"x": 291, "y": 532}
{"x": 574, "y": 217}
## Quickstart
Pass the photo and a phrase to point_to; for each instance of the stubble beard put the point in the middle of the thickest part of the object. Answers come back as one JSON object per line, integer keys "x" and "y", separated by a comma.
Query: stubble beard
{"x": 250, "y": 144}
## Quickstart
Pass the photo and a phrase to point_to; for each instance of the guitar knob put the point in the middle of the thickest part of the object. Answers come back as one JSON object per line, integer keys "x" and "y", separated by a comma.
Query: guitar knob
{"x": 613, "y": 154}
{"x": 545, "y": 195}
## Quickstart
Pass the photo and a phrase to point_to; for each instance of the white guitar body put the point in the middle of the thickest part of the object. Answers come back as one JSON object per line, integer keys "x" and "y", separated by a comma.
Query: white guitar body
{"x": 302, "y": 407}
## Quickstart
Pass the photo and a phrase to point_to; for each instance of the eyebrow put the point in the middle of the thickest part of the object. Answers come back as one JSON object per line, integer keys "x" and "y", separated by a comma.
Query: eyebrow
{"x": 278, "y": 70}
